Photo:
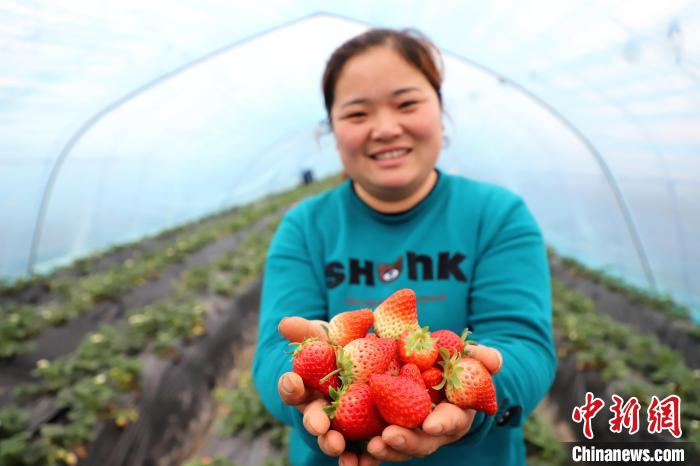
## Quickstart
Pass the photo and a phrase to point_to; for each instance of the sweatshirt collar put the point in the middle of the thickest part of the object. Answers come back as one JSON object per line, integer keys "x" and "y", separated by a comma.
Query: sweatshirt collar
{"x": 399, "y": 217}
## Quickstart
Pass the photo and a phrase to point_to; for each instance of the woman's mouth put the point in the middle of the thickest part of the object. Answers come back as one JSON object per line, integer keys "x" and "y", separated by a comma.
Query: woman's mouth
{"x": 392, "y": 154}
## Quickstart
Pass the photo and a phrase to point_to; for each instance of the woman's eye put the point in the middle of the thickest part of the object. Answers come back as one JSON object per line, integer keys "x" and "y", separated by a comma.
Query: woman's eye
{"x": 355, "y": 115}
{"x": 408, "y": 103}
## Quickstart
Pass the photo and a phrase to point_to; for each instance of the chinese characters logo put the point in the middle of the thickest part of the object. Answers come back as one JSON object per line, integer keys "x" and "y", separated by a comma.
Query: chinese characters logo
{"x": 662, "y": 415}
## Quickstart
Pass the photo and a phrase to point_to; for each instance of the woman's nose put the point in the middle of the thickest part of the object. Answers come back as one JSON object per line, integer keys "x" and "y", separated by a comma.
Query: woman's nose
{"x": 386, "y": 126}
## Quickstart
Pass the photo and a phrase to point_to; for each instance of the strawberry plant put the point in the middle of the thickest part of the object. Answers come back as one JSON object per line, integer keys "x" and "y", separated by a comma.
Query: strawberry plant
{"x": 245, "y": 412}
{"x": 12, "y": 421}
{"x": 543, "y": 446}
{"x": 207, "y": 461}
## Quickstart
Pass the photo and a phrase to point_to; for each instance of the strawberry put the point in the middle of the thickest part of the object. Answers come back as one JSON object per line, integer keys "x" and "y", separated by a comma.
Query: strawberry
{"x": 449, "y": 340}
{"x": 350, "y": 325}
{"x": 361, "y": 358}
{"x": 394, "y": 367}
{"x": 314, "y": 360}
{"x": 400, "y": 400}
{"x": 396, "y": 314}
{"x": 418, "y": 347}
{"x": 390, "y": 349}
{"x": 353, "y": 412}
{"x": 468, "y": 384}
{"x": 412, "y": 372}
{"x": 432, "y": 377}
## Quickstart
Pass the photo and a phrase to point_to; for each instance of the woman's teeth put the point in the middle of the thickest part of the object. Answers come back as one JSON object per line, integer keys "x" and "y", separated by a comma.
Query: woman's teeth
{"x": 391, "y": 154}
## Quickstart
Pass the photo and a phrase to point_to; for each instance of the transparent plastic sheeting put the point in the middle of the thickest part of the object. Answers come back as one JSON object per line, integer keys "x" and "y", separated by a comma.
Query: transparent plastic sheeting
{"x": 153, "y": 115}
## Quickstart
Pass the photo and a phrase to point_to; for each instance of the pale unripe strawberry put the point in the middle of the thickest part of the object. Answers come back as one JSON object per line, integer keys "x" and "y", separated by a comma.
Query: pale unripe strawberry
{"x": 396, "y": 314}
{"x": 361, "y": 358}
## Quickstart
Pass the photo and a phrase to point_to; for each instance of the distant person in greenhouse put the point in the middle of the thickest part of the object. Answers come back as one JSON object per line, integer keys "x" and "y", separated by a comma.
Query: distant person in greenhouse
{"x": 471, "y": 251}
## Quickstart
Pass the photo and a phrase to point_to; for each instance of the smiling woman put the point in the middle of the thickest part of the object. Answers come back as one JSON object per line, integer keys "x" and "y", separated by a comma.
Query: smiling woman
{"x": 385, "y": 108}
{"x": 473, "y": 255}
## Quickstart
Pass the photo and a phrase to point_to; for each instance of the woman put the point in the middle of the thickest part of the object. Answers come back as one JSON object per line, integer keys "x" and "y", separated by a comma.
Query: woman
{"x": 471, "y": 251}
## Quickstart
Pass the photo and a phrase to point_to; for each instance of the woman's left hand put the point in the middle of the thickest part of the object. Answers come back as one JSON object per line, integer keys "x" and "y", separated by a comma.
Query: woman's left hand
{"x": 447, "y": 423}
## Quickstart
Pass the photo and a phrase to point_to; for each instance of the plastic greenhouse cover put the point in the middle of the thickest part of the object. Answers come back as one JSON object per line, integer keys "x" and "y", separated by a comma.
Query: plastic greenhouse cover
{"x": 120, "y": 119}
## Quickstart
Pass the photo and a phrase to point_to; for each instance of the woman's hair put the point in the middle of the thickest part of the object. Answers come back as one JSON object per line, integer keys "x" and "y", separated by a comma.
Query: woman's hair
{"x": 412, "y": 45}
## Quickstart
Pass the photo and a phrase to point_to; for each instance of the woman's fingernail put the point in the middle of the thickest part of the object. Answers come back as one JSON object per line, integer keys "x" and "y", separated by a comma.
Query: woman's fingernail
{"x": 397, "y": 441}
{"x": 287, "y": 386}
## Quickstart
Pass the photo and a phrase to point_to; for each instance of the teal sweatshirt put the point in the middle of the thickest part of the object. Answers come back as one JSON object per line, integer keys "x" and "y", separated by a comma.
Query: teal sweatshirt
{"x": 475, "y": 257}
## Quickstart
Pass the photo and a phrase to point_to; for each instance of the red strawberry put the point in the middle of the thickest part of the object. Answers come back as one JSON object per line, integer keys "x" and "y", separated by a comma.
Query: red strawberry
{"x": 391, "y": 351}
{"x": 468, "y": 384}
{"x": 396, "y": 314}
{"x": 449, "y": 340}
{"x": 412, "y": 372}
{"x": 314, "y": 360}
{"x": 400, "y": 400}
{"x": 394, "y": 367}
{"x": 418, "y": 347}
{"x": 348, "y": 326}
{"x": 354, "y": 413}
{"x": 433, "y": 377}
{"x": 361, "y": 358}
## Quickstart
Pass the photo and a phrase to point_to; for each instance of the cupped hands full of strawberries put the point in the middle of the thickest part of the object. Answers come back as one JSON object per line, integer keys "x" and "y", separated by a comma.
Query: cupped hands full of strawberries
{"x": 394, "y": 376}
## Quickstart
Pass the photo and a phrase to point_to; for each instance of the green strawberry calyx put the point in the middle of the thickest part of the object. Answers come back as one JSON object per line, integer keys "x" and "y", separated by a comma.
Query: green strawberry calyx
{"x": 466, "y": 342}
{"x": 298, "y": 346}
{"x": 335, "y": 395}
{"x": 450, "y": 370}
{"x": 344, "y": 368}
{"x": 419, "y": 340}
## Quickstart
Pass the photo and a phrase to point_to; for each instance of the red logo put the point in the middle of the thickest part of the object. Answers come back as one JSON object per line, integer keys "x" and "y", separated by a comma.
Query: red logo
{"x": 587, "y": 412}
{"x": 626, "y": 415}
{"x": 661, "y": 415}
{"x": 665, "y": 415}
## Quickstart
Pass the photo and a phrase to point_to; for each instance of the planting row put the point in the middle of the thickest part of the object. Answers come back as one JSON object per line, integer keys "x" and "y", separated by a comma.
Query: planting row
{"x": 100, "y": 381}
{"x": 20, "y": 323}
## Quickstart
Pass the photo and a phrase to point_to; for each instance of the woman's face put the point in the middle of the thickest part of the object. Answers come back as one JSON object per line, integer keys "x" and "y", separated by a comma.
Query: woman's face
{"x": 387, "y": 125}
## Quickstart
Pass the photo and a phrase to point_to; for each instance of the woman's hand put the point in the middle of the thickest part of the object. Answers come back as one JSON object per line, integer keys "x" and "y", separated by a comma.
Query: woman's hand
{"x": 447, "y": 423}
{"x": 310, "y": 402}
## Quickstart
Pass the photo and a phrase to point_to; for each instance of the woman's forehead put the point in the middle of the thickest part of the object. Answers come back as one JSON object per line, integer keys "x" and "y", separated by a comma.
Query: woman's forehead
{"x": 378, "y": 72}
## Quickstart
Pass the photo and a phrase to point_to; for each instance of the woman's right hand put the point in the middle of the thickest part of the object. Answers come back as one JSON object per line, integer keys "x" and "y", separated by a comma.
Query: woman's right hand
{"x": 308, "y": 401}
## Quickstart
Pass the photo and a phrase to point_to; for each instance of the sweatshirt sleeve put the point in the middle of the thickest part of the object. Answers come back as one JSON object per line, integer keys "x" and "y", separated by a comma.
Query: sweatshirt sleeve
{"x": 290, "y": 288}
{"x": 510, "y": 310}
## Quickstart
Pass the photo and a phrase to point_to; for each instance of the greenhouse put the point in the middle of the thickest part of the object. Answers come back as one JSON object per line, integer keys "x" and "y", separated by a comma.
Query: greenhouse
{"x": 150, "y": 151}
